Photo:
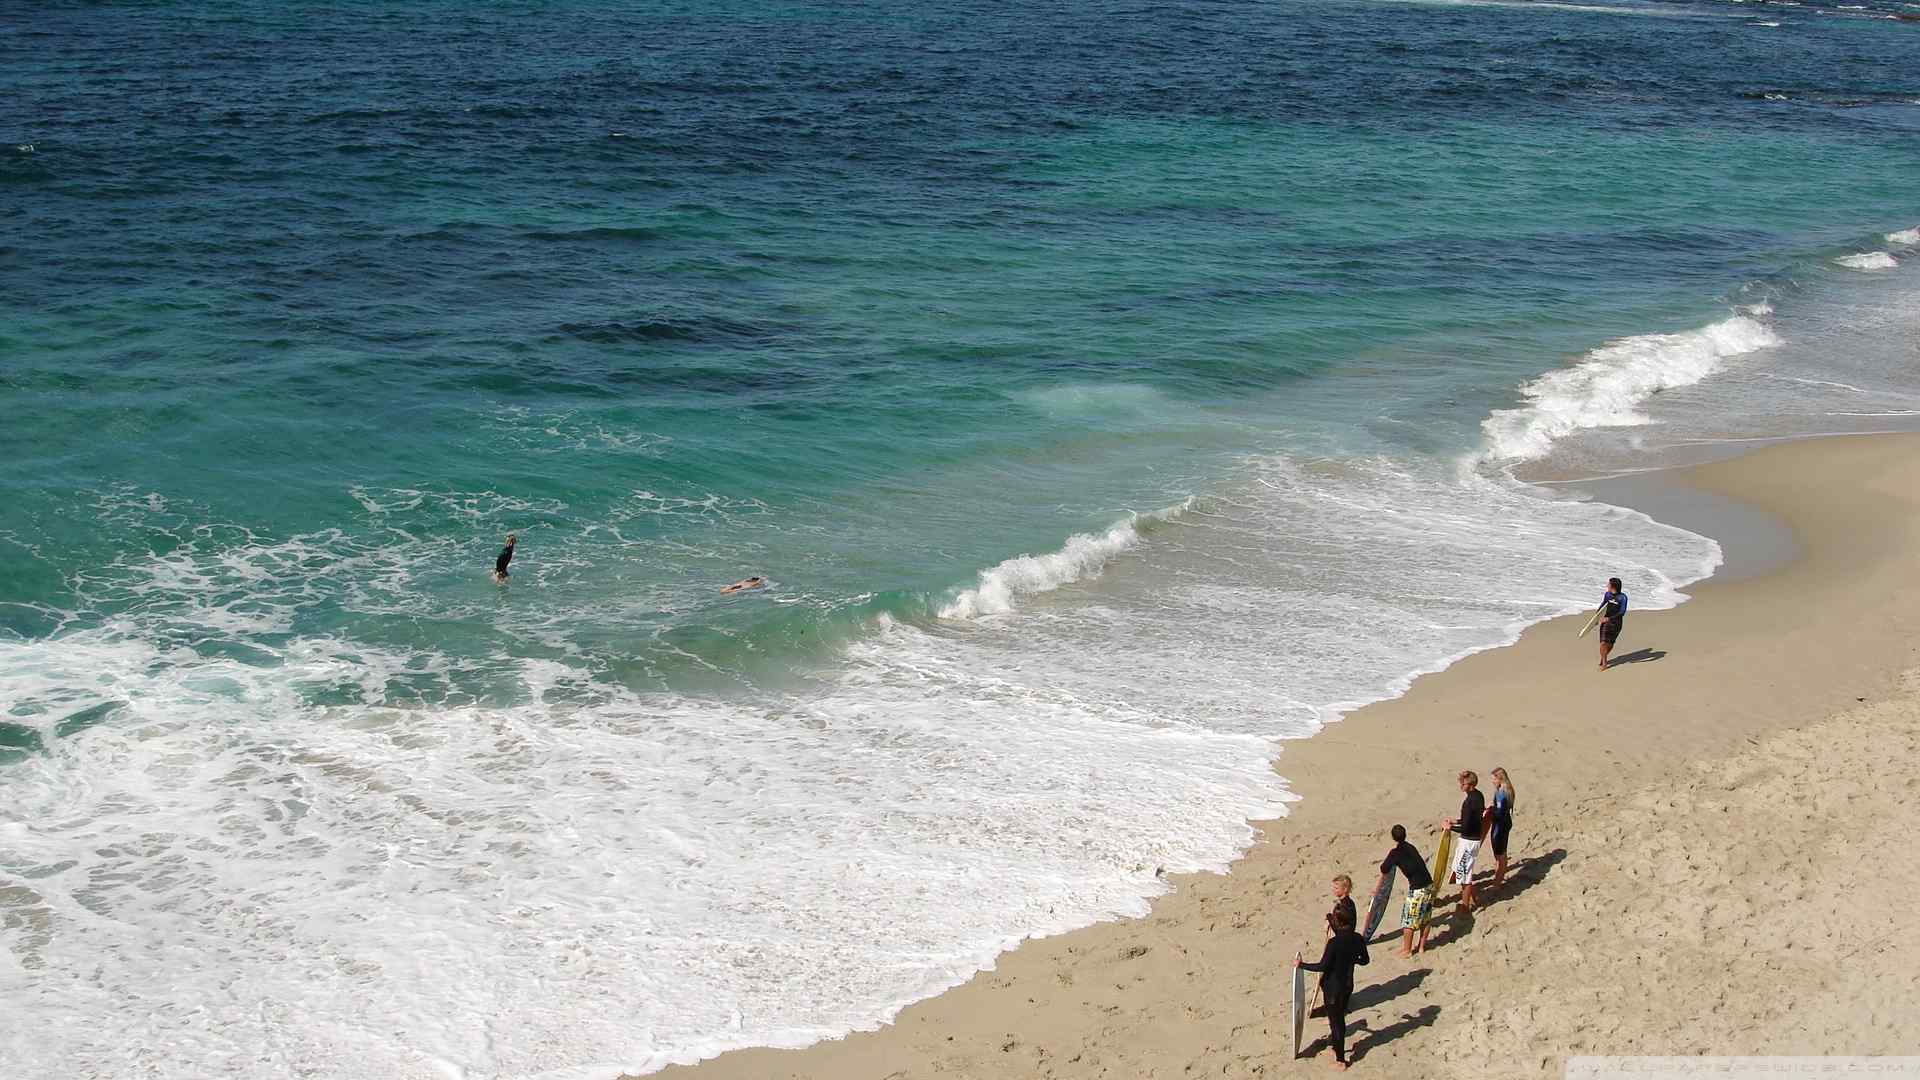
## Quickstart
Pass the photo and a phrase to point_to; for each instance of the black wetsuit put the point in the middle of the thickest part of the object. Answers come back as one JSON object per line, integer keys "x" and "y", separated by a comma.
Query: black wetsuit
{"x": 1406, "y": 858}
{"x": 1343, "y": 951}
{"x": 1472, "y": 808}
{"x": 1345, "y": 904}
{"x": 500, "y": 564}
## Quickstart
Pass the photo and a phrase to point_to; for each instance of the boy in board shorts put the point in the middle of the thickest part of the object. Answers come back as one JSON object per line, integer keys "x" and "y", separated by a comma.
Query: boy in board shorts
{"x": 1467, "y": 829}
{"x": 1413, "y": 913}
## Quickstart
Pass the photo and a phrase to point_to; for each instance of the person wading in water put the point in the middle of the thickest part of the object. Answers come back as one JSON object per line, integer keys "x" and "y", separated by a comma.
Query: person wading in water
{"x": 500, "y": 564}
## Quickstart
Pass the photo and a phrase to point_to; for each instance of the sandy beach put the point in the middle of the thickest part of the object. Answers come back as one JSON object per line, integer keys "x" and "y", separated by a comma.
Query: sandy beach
{"x": 1711, "y": 844}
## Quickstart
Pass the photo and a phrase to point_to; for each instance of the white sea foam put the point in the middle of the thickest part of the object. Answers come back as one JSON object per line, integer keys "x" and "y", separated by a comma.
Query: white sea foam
{"x": 590, "y": 881}
{"x": 1594, "y": 9}
{"x": 593, "y": 879}
{"x": 1083, "y": 556}
{"x": 1827, "y": 383}
{"x": 1905, "y": 237}
{"x": 472, "y": 505}
{"x": 1607, "y": 388}
{"x": 605, "y": 887}
{"x": 1868, "y": 260}
{"x": 1317, "y": 586}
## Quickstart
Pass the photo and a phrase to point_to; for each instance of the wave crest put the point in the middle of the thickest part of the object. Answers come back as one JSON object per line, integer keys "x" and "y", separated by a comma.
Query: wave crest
{"x": 1084, "y": 555}
{"x": 1868, "y": 260}
{"x": 1607, "y": 388}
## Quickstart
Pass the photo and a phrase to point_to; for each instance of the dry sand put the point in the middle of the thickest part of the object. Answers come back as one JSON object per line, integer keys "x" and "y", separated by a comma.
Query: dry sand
{"x": 1713, "y": 844}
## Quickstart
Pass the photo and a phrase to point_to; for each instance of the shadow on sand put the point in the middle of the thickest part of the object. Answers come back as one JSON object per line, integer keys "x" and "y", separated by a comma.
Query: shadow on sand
{"x": 1408, "y": 1022}
{"x": 1521, "y": 876}
{"x": 1363, "y": 1037}
{"x": 1637, "y": 656}
{"x": 1380, "y": 993}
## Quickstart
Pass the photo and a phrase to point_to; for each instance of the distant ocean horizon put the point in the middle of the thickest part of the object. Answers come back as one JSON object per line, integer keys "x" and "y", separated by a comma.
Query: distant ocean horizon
{"x": 1108, "y": 392}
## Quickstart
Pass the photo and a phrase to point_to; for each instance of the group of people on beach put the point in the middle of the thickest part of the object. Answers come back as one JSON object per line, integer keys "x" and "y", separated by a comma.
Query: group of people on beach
{"x": 1477, "y": 823}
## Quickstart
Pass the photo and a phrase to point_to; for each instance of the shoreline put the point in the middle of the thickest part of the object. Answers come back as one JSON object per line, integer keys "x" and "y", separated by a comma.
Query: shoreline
{"x": 1829, "y": 518}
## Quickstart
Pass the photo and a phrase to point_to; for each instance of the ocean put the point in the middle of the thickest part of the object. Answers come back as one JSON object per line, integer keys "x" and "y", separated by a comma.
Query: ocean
{"x": 1109, "y": 391}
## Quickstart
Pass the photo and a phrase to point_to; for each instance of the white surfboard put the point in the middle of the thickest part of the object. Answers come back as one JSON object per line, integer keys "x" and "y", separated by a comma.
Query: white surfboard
{"x": 1299, "y": 1006}
{"x": 1590, "y": 622}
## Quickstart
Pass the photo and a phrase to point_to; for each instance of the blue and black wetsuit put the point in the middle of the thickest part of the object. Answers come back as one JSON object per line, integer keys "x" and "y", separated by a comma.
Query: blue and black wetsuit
{"x": 1613, "y": 612}
{"x": 1502, "y": 820}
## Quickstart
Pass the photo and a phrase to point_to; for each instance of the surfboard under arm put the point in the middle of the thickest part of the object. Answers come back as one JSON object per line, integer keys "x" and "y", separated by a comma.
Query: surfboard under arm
{"x": 1590, "y": 622}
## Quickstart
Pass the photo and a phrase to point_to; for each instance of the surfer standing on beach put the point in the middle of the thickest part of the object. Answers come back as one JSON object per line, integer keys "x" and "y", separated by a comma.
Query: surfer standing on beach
{"x": 1473, "y": 809}
{"x": 1613, "y": 612}
{"x": 1500, "y": 823}
{"x": 1343, "y": 950}
{"x": 1342, "y": 902}
{"x": 1413, "y": 913}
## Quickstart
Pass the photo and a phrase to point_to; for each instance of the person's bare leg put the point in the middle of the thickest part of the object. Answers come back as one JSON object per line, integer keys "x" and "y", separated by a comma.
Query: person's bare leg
{"x": 1605, "y": 648}
{"x": 1466, "y": 897}
{"x": 1406, "y": 942}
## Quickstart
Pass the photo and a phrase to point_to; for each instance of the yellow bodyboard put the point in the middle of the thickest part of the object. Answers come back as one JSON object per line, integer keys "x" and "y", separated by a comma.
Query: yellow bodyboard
{"x": 1442, "y": 866}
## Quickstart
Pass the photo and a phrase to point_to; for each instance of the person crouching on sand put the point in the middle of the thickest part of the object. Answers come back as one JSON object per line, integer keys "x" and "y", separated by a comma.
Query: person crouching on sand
{"x": 1468, "y": 828}
{"x": 1342, "y": 901}
{"x": 1344, "y": 949}
{"x": 1500, "y": 823}
{"x": 1613, "y": 614}
{"x": 1413, "y": 912}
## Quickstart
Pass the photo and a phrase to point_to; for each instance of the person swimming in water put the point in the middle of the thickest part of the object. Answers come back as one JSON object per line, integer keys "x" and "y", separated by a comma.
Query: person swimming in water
{"x": 500, "y": 564}
{"x": 744, "y": 584}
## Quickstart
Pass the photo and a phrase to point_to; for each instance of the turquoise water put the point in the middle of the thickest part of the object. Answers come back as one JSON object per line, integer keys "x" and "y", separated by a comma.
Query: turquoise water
{"x": 1108, "y": 392}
